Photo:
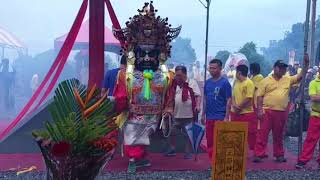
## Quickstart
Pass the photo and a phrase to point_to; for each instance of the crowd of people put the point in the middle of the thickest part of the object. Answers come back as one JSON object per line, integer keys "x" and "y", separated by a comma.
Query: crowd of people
{"x": 262, "y": 102}
{"x": 241, "y": 95}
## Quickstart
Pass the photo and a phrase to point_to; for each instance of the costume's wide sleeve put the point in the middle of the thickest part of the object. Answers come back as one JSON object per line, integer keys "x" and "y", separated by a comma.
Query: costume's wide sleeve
{"x": 120, "y": 93}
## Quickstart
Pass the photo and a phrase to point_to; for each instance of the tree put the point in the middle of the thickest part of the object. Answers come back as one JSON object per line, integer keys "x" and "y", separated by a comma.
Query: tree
{"x": 293, "y": 40}
{"x": 250, "y": 51}
{"x": 182, "y": 51}
{"x": 223, "y": 55}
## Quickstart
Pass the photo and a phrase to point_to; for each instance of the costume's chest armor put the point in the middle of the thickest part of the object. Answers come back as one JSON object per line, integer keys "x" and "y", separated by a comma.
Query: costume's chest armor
{"x": 139, "y": 105}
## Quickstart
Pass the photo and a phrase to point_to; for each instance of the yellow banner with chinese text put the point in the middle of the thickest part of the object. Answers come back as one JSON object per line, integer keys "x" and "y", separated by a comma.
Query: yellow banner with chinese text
{"x": 230, "y": 151}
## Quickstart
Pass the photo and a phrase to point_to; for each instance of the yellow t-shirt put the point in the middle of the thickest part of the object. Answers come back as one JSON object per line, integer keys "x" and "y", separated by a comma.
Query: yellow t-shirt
{"x": 241, "y": 91}
{"x": 256, "y": 81}
{"x": 276, "y": 93}
{"x": 314, "y": 89}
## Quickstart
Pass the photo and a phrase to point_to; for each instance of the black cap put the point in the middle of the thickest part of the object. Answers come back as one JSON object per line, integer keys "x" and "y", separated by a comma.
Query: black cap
{"x": 280, "y": 64}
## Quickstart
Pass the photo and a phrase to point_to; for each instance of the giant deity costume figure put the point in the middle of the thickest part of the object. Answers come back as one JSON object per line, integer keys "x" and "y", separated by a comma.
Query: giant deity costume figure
{"x": 142, "y": 90}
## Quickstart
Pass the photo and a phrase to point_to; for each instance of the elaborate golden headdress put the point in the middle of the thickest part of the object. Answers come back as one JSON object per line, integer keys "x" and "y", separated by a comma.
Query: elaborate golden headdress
{"x": 147, "y": 29}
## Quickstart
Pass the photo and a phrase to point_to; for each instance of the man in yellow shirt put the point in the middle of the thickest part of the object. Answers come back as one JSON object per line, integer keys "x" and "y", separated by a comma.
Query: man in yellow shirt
{"x": 273, "y": 98}
{"x": 313, "y": 133}
{"x": 242, "y": 103}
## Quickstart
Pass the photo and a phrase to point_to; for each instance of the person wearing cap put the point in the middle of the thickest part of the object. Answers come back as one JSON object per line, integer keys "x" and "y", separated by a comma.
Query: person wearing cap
{"x": 242, "y": 103}
{"x": 288, "y": 73}
{"x": 273, "y": 98}
{"x": 313, "y": 133}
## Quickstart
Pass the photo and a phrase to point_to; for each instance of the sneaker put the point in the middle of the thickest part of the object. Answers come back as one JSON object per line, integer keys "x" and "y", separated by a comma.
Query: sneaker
{"x": 187, "y": 156}
{"x": 132, "y": 168}
{"x": 301, "y": 165}
{"x": 143, "y": 163}
{"x": 170, "y": 153}
{"x": 281, "y": 159}
{"x": 257, "y": 159}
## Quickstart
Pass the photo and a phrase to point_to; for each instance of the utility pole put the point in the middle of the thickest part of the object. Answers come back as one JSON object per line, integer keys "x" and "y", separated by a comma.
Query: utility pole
{"x": 313, "y": 37}
{"x": 302, "y": 103}
{"x": 207, "y": 37}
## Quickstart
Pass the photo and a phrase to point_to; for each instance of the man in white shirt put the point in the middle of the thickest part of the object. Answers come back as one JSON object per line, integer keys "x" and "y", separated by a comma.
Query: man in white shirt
{"x": 187, "y": 101}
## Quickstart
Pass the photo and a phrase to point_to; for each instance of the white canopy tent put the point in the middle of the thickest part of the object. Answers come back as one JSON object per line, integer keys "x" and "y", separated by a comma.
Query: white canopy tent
{"x": 9, "y": 41}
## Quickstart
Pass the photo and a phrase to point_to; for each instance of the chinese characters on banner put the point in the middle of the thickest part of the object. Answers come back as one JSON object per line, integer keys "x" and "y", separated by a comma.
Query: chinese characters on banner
{"x": 230, "y": 151}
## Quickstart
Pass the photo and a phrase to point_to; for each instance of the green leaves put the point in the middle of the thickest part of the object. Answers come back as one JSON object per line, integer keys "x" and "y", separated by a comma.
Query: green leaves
{"x": 70, "y": 126}
{"x": 250, "y": 51}
{"x": 223, "y": 56}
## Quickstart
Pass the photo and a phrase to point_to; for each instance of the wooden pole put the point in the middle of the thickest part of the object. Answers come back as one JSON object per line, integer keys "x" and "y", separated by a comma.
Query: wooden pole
{"x": 302, "y": 103}
{"x": 96, "y": 42}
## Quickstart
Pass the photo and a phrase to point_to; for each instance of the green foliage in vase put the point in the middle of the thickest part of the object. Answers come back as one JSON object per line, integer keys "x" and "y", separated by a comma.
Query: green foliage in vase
{"x": 80, "y": 117}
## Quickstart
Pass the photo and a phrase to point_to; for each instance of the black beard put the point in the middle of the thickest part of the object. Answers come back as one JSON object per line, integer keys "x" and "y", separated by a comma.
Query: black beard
{"x": 147, "y": 66}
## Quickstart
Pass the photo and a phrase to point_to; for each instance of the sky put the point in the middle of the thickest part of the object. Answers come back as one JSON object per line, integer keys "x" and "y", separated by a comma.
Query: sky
{"x": 232, "y": 23}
